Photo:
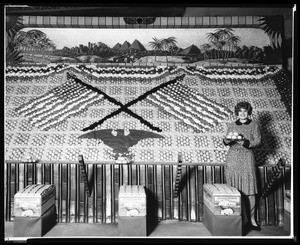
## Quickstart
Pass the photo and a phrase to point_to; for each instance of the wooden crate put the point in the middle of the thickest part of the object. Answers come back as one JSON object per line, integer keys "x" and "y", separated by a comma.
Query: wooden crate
{"x": 34, "y": 200}
{"x": 132, "y": 200}
{"x": 222, "y": 199}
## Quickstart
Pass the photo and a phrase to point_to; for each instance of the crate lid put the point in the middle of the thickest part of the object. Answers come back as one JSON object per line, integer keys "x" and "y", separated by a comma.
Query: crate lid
{"x": 221, "y": 189}
{"x": 132, "y": 190}
{"x": 35, "y": 190}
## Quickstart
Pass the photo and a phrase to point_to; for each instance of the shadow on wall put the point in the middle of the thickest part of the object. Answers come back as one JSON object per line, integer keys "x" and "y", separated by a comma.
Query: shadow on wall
{"x": 268, "y": 145}
{"x": 284, "y": 86}
{"x": 152, "y": 204}
{"x": 268, "y": 139}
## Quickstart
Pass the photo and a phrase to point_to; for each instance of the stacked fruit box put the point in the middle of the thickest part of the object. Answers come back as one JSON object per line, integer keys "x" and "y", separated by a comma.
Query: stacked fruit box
{"x": 132, "y": 211}
{"x": 132, "y": 200}
{"x": 222, "y": 209}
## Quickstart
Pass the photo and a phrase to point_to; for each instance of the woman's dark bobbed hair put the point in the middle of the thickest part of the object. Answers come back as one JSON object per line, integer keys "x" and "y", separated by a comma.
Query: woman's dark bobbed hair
{"x": 245, "y": 105}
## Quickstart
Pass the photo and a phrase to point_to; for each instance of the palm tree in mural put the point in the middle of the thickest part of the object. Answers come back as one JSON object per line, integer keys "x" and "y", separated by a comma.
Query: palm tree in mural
{"x": 21, "y": 41}
{"x": 19, "y": 37}
{"x": 273, "y": 26}
{"x": 168, "y": 44}
{"x": 45, "y": 43}
{"x": 272, "y": 56}
{"x": 35, "y": 39}
{"x": 224, "y": 35}
{"x": 13, "y": 56}
{"x": 232, "y": 43}
{"x": 214, "y": 39}
{"x": 13, "y": 25}
{"x": 156, "y": 45}
{"x": 223, "y": 40}
{"x": 221, "y": 45}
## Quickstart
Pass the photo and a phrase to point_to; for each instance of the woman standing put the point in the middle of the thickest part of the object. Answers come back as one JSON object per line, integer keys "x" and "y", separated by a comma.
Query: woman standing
{"x": 240, "y": 169}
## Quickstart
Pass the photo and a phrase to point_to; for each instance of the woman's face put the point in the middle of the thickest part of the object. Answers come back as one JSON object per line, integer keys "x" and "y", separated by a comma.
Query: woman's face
{"x": 243, "y": 114}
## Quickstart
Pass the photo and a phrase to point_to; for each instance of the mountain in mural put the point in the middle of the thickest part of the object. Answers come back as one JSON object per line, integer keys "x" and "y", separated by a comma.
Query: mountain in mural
{"x": 191, "y": 50}
{"x": 117, "y": 46}
{"x": 177, "y": 51}
{"x": 137, "y": 46}
{"x": 125, "y": 46}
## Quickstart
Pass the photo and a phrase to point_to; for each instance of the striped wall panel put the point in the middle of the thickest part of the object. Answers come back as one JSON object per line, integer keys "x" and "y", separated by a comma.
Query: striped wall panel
{"x": 160, "y": 22}
{"x": 75, "y": 205}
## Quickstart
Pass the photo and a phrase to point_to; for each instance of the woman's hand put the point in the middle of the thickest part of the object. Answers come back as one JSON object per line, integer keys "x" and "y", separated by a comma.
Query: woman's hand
{"x": 244, "y": 142}
{"x": 227, "y": 141}
{"x": 241, "y": 142}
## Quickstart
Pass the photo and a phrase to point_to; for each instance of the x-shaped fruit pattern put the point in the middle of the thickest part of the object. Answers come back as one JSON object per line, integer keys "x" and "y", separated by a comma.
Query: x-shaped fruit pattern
{"x": 60, "y": 142}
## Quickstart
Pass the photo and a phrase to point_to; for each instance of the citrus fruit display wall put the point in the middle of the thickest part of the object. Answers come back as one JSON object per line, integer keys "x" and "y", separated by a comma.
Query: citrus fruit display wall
{"x": 191, "y": 112}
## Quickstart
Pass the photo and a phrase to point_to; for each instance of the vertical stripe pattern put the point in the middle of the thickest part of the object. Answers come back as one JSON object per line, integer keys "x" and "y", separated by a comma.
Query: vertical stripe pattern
{"x": 74, "y": 205}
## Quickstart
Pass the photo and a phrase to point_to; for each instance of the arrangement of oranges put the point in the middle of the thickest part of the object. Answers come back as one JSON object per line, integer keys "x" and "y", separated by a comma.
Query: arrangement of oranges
{"x": 234, "y": 136}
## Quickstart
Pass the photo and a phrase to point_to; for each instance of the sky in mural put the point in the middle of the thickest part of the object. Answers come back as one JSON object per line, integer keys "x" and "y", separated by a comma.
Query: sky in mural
{"x": 71, "y": 37}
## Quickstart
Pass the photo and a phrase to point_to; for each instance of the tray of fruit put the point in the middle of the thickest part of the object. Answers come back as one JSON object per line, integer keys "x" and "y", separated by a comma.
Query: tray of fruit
{"x": 234, "y": 136}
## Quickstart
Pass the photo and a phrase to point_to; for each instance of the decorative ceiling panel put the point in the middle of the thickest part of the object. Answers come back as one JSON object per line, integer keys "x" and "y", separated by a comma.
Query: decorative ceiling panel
{"x": 160, "y": 22}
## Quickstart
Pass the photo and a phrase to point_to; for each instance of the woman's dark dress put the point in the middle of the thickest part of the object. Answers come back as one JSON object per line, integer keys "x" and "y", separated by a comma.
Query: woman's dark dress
{"x": 240, "y": 169}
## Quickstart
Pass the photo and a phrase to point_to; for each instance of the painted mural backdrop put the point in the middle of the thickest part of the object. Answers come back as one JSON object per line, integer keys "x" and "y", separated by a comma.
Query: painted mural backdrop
{"x": 191, "y": 46}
